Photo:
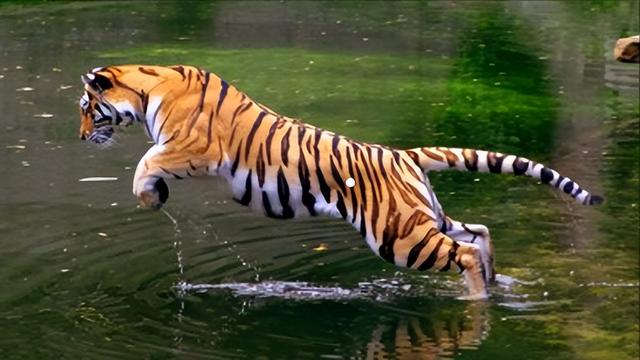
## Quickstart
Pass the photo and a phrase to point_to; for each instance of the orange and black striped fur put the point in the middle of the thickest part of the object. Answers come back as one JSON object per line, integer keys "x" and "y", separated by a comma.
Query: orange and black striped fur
{"x": 284, "y": 168}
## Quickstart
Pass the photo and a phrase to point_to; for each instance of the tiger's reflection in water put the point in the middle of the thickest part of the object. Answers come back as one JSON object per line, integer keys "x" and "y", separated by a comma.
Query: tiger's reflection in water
{"x": 413, "y": 337}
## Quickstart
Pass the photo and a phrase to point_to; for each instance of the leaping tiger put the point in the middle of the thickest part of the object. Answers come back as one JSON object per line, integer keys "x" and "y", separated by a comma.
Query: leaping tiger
{"x": 201, "y": 125}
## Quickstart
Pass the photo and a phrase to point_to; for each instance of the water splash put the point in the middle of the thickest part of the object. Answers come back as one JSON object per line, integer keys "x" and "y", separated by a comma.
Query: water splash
{"x": 379, "y": 290}
{"x": 177, "y": 242}
{"x": 177, "y": 245}
{"x": 294, "y": 290}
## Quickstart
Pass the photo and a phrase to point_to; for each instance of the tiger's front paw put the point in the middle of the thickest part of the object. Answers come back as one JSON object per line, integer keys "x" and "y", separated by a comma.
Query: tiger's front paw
{"x": 155, "y": 196}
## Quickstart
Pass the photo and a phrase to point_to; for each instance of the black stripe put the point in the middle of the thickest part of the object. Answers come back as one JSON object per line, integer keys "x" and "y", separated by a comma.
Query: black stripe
{"x": 578, "y": 192}
{"x": 340, "y": 205}
{"x": 121, "y": 84}
{"x": 380, "y": 161}
{"x": 546, "y": 175}
{"x": 284, "y": 148}
{"x": 178, "y": 69}
{"x": 336, "y": 176}
{"x": 494, "y": 162}
{"x": 147, "y": 71}
{"x": 239, "y": 110}
{"x": 246, "y": 198}
{"x": 568, "y": 187}
{"x": 252, "y": 133}
{"x": 470, "y": 163}
{"x": 209, "y": 131}
{"x": 308, "y": 200}
{"x": 173, "y": 137}
{"x": 354, "y": 200}
{"x": 260, "y": 167}
{"x": 203, "y": 94}
{"x": 520, "y": 166}
{"x": 144, "y": 99}
{"x": 267, "y": 143}
{"x": 266, "y": 204}
{"x": 301, "y": 131}
{"x": 171, "y": 173}
{"x": 389, "y": 235}
{"x": 433, "y": 256}
{"x": 363, "y": 223}
{"x": 373, "y": 181}
{"x": 415, "y": 251}
{"x": 236, "y": 160}
{"x": 334, "y": 148}
{"x": 324, "y": 187}
{"x": 223, "y": 93}
{"x": 283, "y": 195}
{"x": 361, "y": 185}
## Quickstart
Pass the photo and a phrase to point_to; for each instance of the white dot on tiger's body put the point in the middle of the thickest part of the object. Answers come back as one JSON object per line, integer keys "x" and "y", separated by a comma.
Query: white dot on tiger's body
{"x": 350, "y": 182}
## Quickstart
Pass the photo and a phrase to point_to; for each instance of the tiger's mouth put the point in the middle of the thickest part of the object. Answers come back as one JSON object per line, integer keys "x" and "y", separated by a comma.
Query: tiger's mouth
{"x": 102, "y": 135}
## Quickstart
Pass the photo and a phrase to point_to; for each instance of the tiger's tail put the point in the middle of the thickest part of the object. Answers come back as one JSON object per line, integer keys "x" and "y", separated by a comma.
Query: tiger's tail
{"x": 442, "y": 158}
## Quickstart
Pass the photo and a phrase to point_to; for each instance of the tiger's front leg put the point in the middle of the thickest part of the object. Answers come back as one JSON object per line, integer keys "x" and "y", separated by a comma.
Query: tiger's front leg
{"x": 160, "y": 163}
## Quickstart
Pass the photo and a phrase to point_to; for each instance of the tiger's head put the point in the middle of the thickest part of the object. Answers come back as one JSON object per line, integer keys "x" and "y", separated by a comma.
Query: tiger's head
{"x": 115, "y": 96}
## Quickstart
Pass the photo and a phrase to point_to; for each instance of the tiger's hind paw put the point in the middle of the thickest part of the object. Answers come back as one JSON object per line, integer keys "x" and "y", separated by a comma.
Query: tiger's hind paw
{"x": 483, "y": 295}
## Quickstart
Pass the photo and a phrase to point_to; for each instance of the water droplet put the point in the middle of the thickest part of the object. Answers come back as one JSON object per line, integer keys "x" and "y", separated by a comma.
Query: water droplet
{"x": 103, "y": 234}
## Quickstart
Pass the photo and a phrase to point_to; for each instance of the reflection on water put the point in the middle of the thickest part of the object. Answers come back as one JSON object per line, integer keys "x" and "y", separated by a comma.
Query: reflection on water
{"x": 421, "y": 333}
{"x": 415, "y": 338}
{"x": 86, "y": 272}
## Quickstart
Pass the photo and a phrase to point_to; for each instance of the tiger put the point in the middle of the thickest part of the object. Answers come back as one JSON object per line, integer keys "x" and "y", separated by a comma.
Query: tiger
{"x": 201, "y": 125}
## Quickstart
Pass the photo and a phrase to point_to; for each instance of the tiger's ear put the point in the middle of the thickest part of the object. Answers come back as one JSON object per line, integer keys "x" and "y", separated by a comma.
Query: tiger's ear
{"x": 97, "y": 82}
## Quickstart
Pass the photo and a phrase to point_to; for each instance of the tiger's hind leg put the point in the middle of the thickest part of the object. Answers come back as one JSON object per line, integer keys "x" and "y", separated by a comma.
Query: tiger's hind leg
{"x": 477, "y": 235}
{"x": 468, "y": 258}
{"x": 440, "y": 252}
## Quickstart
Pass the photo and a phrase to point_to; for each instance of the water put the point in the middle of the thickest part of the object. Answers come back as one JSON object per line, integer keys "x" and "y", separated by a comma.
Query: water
{"x": 86, "y": 274}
